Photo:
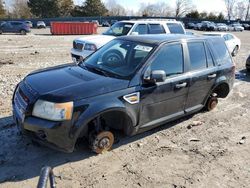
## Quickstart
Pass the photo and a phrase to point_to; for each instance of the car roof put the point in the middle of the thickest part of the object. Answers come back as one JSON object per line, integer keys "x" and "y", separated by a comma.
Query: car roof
{"x": 215, "y": 33}
{"x": 151, "y": 21}
{"x": 15, "y": 22}
{"x": 160, "y": 38}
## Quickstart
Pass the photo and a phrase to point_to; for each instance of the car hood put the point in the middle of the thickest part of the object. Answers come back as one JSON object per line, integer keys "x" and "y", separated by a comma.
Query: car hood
{"x": 67, "y": 83}
{"x": 98, "y": 40}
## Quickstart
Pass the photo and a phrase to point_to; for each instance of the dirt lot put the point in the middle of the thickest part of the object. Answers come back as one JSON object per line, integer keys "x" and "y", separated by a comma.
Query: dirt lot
{"x": 213, "y": 154}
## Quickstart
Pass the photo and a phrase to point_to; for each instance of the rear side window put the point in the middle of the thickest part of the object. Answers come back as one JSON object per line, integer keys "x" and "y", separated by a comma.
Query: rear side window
{"x": 197, "y": 55}
{"x": 156, "y": 29}
{"x": 141, "y": 29}
{"x": 220, "y": 51}
{"x": 170, "y": 59}
{"x": 16, "y": 23}
{"x": 225, "y": 37}
{"x": 230, "y": 37}
{"x": 175, "y": 28}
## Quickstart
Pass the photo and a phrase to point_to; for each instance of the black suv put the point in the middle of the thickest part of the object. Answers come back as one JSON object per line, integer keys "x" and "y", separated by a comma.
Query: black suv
{"x": 132, "y": 84}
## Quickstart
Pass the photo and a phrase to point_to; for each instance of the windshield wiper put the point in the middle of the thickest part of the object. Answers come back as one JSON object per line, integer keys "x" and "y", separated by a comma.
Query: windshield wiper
{"x": 83, "y": 65}
{"x": 100, "y": 71}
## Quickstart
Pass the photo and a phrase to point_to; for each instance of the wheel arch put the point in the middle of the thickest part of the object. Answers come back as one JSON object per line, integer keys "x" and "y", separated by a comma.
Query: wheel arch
{"x": 81, "y": 128}
{"x": 222, "y": 89}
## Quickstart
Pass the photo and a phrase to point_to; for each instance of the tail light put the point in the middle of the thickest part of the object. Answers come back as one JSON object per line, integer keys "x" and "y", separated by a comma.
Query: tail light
{"x": 90, "y": 47}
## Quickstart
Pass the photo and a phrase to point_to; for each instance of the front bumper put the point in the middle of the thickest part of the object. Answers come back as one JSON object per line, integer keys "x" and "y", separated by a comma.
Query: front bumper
{"x": 55, "y": 135}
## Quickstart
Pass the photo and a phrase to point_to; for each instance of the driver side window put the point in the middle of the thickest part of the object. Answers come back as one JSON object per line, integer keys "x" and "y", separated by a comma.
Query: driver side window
{"x": 170, "y": 59}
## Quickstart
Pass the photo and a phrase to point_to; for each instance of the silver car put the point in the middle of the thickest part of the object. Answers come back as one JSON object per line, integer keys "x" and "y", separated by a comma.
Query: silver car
{"x": 41, "y": 24}
{"x": 222, "y": 27}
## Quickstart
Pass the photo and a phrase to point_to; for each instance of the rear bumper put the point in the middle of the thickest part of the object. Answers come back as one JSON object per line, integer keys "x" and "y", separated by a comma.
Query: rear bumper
{"x": 248, "y": 65}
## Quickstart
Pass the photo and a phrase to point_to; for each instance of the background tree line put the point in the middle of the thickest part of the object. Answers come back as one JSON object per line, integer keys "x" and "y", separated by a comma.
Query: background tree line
{"x": 237, "y": 9}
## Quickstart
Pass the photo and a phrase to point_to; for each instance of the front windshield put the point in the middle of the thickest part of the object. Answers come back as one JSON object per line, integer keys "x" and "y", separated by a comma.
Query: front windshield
{"x": 119, "y": 29}
{"x": 119, "y": 58}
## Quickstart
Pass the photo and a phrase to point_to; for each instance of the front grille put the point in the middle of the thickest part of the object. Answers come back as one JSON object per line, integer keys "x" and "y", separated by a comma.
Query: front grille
{"x": 75, "y": 56}
{"x": 20, "y": 102}
{"x": 77, "y": 46}
{"x": 23, "y": 99}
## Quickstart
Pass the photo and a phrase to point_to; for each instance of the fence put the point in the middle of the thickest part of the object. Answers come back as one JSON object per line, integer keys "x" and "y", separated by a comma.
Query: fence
{"x": 101, "y": 19}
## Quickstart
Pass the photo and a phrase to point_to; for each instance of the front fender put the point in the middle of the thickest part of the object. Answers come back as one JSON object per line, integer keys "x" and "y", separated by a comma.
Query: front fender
{"x": 97, "y": 108}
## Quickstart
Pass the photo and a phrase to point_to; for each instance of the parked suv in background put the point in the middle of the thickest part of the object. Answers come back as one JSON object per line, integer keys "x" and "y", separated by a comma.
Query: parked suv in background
{"x": 131, "y": 84}
{"x": 82, "y": 47}
{"x": 14, "y": 27}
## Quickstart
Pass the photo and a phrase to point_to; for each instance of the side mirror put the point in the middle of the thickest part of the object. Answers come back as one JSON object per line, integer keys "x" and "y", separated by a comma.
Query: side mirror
{"x": 134, "y": 33}
{"x": 156, "y": 76}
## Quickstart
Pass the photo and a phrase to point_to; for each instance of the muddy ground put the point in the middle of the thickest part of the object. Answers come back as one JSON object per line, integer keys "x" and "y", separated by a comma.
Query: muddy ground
{"x": 214, "y": 154}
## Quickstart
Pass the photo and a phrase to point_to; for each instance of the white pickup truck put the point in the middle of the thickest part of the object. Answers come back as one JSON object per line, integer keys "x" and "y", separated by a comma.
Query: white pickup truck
{"x": 84, "y": 46}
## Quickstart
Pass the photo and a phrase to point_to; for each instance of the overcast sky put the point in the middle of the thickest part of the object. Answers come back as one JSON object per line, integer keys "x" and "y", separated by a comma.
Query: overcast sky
{"x": 201, "y": 5}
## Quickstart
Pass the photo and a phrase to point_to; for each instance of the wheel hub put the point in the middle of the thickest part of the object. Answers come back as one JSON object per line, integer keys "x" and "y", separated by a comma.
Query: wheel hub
{"x": 102, "y": 142}
{"x": 213, "y": 104}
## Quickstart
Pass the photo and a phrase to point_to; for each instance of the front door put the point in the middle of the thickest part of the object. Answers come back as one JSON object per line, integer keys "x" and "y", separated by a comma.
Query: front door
{"x": 165, "y": 100}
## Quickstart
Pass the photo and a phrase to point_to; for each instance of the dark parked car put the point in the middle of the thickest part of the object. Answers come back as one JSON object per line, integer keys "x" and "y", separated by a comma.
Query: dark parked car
{"x": 197, "y": 26}
{"x": 246, "y": 26}
{"x": 105, "y": 24}
{"x": 208, "y": 26}
{"x": 190, "y": 25}
{"x": 14, "y": 27}
{"x": 112, "y": 22}
{"x": 131, "y": 84}
{"x": 248, "y": 64}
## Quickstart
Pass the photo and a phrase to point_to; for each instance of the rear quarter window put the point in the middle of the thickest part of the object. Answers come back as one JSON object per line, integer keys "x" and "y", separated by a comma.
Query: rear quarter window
{"x": 175, "y": 28}
{"x": 220, "y": 51}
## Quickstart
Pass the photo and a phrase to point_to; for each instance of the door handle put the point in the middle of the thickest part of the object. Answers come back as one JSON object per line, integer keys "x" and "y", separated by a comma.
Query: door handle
{"x": 210, "y": 76}
{"x": 178, "y": 86}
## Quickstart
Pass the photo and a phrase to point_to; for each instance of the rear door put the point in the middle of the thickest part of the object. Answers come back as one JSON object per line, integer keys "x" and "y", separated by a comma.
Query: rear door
{"x": 7, "y": 27}
{"x": 16, "y": 27}
{"x": 203, "y": 74}
{"x": 165, "y": 100}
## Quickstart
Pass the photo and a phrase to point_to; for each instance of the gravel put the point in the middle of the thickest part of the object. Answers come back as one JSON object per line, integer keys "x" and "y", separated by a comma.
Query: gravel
{"x": 207, "y": 149}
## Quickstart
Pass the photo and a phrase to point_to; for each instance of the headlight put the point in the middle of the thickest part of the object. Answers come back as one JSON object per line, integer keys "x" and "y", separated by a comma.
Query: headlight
{"x": 53, "y": 111}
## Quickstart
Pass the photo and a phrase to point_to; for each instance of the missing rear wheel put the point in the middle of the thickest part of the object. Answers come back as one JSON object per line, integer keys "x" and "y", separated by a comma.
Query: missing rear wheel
{"x": 212, "y": 103}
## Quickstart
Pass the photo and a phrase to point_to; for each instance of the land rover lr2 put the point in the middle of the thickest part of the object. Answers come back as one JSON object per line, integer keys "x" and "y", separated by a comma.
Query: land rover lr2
{"x": 132, "y": 84}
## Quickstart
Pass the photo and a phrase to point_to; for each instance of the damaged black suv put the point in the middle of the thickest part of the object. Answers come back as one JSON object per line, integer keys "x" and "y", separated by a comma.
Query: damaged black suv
{"x": 132, "y": 84}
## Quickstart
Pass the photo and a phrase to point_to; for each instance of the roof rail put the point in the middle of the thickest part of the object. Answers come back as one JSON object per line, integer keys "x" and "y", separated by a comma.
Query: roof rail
{"x": 154, "y": 19}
